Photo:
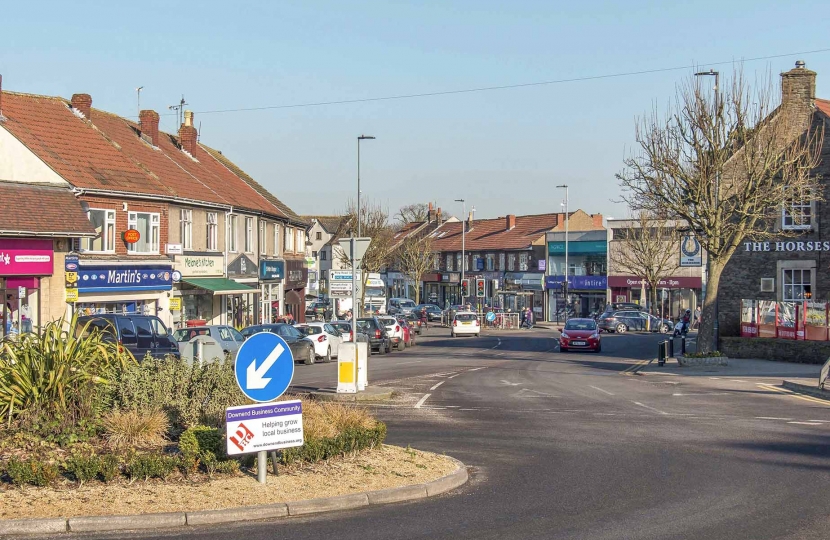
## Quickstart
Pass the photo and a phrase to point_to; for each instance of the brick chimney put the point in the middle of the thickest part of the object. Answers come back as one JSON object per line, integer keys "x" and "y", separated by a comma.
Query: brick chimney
{"x": 798, "y": 94}
{"x": 438, "y": 216}
{"x": 188, "y": 134}
{"x": 82, "y": 102}
{"x": 430, "y": 214}
{"x": 510, "y": 221}
{"x": 148, "y": 122}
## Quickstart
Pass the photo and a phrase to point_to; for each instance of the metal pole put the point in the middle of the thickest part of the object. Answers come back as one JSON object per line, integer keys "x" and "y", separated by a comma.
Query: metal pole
{"x": 261, "y": 464}
{"x": 354, "y": 305}
{"x": 358, "y": 202}
{"x": 717, "y": 205}
{"x": 463, "y": 244}
{"x": 565, "y": 280}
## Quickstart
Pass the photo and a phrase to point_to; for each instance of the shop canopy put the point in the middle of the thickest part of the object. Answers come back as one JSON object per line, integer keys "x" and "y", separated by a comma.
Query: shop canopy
{"x": 219, "y": 285}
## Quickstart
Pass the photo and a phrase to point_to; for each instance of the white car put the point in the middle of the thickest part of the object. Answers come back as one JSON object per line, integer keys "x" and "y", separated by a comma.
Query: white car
{"x": 465, "y": 322}
{"x": 395, "y": 331}
{"x": 325, "y": 338}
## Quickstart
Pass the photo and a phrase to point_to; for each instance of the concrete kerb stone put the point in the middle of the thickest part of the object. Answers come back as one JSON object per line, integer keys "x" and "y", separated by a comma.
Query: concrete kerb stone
{"x": 444, "y": 484}
{"x": 813, "y": 391}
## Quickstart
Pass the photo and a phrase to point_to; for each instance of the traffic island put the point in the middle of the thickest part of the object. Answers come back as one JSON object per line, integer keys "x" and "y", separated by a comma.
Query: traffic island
{"x": 371, "y": 394}
{"x": 384, "y": 475}
{"x": 702, "y": 361}
{"x": 814, "y": 391}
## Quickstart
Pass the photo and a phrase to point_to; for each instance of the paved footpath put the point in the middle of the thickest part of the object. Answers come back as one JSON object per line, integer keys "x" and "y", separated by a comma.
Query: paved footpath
{"x": 572, "y": 446}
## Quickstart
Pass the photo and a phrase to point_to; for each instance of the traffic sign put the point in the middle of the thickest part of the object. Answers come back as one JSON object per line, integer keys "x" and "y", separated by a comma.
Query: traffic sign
{"x": 264, "y": 367}
{"x": 491, "y": 316}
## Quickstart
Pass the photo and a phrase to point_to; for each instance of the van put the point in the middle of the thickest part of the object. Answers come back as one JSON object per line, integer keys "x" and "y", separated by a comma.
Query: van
{"x": 139, "y": 334}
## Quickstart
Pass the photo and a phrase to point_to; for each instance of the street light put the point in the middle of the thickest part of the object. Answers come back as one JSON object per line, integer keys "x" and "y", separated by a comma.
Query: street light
{"x": 463, "y": 236}
{"x": 360, "y": 138}
{"x": 716, "y": 75}
{"x": 565, "y": 281}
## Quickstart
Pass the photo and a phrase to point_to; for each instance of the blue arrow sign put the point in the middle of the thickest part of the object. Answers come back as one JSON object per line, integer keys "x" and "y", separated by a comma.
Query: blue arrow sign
{"x": 491, "y": 316}
{"x": 264, "y": 367}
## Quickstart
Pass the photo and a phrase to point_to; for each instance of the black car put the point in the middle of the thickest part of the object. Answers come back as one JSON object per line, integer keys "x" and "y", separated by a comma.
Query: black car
{"x": 379, "y": 339}
{"x": 319, "y": 308}
{"x": 624, "y": 320}
{"x": 139, "y": 334}
{"x": 433, "y": 312}
{"x": 301, "y": 348}
{"x": 628, "y": 306}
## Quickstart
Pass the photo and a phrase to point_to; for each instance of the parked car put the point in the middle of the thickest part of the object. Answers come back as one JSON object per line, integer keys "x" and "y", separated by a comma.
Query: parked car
{"x": 628, "y": 306}
{"x": 398, "y": 306}
{"x": 378, "y": 337}
{"x": 433, "y": 312}
{"x": 139, "y": 334}
{"x": 408, "y": 339}
{"x": 301, "y": 347}
{"x": 465, "y": 322}
{"x": 320, "y": 309}
{"x": 394, "y": 329}
{"x": 415, "y": 323}
{"x": 625, "y": 320}
{"x": 345, "y": 328}
{"x": 580, "y": 334}
{"x": 325, "y": 338}
{"x": 228, "y": 337}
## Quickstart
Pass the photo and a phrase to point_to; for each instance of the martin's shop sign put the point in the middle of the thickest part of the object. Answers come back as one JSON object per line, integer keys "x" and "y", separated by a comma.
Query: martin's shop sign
{"x": 114, "y": 278}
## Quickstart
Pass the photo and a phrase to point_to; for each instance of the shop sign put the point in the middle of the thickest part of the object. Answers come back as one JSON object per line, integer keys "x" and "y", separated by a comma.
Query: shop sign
{"x": 578, "y": 283}
{"x": 24, "y": 257}
{"x": 685, "y": 282}
{"x": 690, "y": 252}
{"x": 578, "y": 246}
{"x": 71, "y": 295}
{"x": 271, "y": 270}
{"x": 242, "y": 266}
{"x": 174, "y": 249}
{"x": 199, "y": 265}
{"x": 310, "y": 262}
{"x": 542, "y": 265}
{"x": 451, "y": 278}
{"x": 296, "y": 274}
{"x": 112, "y": 278}
{"x": 787, "y": 246}
{"x": 131, "y": 236}
{"x": 176, "y": 303}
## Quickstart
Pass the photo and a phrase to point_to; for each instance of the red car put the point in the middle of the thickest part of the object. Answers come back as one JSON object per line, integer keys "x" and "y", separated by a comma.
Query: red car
{"x": 408, "y": 334}
{"x": 580, "y": 334}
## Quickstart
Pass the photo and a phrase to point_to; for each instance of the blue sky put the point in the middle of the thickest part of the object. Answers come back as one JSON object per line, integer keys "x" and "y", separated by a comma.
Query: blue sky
{"x": 503, "y": 151}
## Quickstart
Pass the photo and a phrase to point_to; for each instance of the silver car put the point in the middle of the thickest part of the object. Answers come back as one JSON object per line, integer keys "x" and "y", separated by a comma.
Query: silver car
{"x": 227, "y": 336}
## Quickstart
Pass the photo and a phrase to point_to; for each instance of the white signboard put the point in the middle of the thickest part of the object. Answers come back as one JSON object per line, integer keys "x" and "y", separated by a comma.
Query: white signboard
{"x": 340, "y": 283}
{"x": 200, "y": 265}
{"x": 174, "y": 249}
{"x": 263, "y": 427}
{"x": 690, "y": 252}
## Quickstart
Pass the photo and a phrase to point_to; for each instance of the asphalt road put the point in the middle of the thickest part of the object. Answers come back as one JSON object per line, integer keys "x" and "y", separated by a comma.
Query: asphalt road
{"x": 565, "y": 445}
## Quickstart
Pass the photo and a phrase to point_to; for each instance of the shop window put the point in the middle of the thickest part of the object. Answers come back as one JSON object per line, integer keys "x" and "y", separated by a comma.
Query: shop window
{"x": 796, "y": 282}
{"x": 186, "y": 221}
{"x": 263, "y": 226}
{"x": 797, "y": 212}
{"x": 249, "y": 235}
{"x": 289, "y": 239}
{"x": 523, "y": 258}
{"x": 147, "y": 225}
{"x": 232, "y": 232}
{"x": 104, "y": 223}
{"x": 211, "y": 243}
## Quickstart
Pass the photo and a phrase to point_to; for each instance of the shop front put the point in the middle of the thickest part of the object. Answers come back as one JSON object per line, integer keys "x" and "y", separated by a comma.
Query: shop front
{"x": 241, "y": 307}
{"x": 674, "y": 294}
{"x": 296, "y": 277}
{"x": 119, "y": 286}
{"x": 271, "y": 276}
{"x": 23, "y": 264}
{"x": 529, "y": 291}
{"x": 584, "y": 296}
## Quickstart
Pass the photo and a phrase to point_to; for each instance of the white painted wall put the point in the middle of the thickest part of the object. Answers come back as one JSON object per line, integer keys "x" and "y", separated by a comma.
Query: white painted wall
{"x": 19, "y": 164}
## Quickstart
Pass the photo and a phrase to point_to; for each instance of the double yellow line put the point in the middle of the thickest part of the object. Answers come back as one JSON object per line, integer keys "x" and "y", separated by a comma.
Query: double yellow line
{"x": 635, "y": 367}
{"x": 794, "y": 394}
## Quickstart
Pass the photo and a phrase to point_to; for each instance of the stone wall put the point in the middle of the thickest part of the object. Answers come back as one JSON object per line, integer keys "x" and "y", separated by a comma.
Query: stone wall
{"x": 785, "y": 350}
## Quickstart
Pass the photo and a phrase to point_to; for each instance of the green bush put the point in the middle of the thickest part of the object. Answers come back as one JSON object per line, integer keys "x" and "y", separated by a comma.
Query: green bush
{"x": 109, "y": 467}
{"x": 210, "y": 463}
{"x": 350, "y": 440}
{"x": 228, "y": 466}
{"x": 84, "y": 468}
{"x": 197, "y": 439}
{"x": 146, "y": 466}
{"x": 31, "y": 471}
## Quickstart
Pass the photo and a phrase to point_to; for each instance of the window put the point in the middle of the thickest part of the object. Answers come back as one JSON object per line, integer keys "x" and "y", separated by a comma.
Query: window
{"x": 262, "y": 244}
{"x": 103, "y": 221}
{"x": 249, "y": 234}
{"x": 796, "y": 281}
{"x": 458, "y": 261}
{"x": 319, "y": 235}
{"x": 523, "y": 258}
{"x": 276, "y": 238}
{"x": 300, "y": 247}
{"x": 449, "y": 262}
{"x": 232, "y": 232}
{"x": 511, "y": 262}
{"x": 212, "y": 228}
{"x": 186, "y": 220}
{"x": 491, "y": 262}
{"x": 797, "y": 212}
{"x": 147, "y": 225}
{"x": 289, "y": 239}
{"x": 323, "y": 255}
{"x": 314, "y": 254}
{"x": 437, "y": 263}
{"x": 502, "y": 267}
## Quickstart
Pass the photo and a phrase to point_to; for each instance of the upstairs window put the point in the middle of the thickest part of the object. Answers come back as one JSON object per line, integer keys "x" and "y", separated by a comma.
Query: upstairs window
{"x": 186, "y": 221}
{"x": 449, "y": 262}
{"x": 289, "y": 239}
{"x": 276, "y": 238}
{"x": 797, "y": 212}
{"x": 212, "y": 229}
{"x": 511, "y": 262}
{"x": 147, "y": 225}
{"x": 523, "y": 259}
{"x": 249, "y": 235}
{"x": 232, "y": 232}
{"x": 319, "y": 235}
{"x": 437, "y": 262}
{"x": 502, "y": 266}
{"x": 490, "y": 262}
{"x": 103, "y": 221}
{"x": 263, "y": 226}
{"x": 300, "y": 241}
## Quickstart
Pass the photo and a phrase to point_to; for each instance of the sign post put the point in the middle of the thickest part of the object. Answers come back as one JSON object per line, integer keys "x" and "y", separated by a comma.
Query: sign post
{"x": 264, "y": 368}
{"x": 355, "y": 248}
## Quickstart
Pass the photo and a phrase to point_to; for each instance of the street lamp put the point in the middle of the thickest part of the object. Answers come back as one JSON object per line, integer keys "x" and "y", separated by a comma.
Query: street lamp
{"x": 360, "y": 138}
{"x": 463, "y": 238}
{"x": 716, "y": 75}
{"x": 565, "y": 281}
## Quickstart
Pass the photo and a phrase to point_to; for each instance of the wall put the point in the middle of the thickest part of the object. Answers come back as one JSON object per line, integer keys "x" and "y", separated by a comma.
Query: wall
{"x": 786, "y": 350}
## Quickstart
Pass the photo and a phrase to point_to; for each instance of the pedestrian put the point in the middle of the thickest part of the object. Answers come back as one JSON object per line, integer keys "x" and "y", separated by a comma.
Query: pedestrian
{"x": 529, "y": 319}
{"x": 696, "y": 324}
{"x": 524, "y": 319}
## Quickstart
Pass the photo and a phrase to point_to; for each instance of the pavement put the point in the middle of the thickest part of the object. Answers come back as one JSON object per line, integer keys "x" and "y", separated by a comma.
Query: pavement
{"x": 566, "y": 445}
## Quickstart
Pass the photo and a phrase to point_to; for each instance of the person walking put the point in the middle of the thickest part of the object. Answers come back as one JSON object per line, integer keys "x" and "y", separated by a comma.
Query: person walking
{"x": 696, "y": 324}
{"x": 529, "y": 319}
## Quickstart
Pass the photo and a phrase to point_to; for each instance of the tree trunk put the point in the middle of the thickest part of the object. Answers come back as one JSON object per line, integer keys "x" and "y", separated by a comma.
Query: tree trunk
{"x": 654, "y": 310}
{"x": 417, "y": 293}
{"x": 706, "y": 335}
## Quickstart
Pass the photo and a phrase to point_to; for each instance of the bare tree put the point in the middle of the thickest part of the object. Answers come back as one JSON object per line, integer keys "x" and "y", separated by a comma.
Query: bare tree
{"x": 648, "y": 250}
{"x": 415, "y": 258}
{"x": 725, "y": 165}
{"x": 412, "y": 212}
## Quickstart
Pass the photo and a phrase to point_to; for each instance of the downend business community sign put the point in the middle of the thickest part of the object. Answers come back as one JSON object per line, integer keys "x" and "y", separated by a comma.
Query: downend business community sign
{"x": 112, "y": 278}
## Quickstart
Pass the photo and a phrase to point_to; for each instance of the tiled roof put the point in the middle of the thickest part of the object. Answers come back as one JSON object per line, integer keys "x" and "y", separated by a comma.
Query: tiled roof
{"x": 493, "y": 234}
{"x": 106, "y": 152}
{"x": 34, "y": 209}
{"x": 331, "y": 224}
{"x": 823, "y": 105}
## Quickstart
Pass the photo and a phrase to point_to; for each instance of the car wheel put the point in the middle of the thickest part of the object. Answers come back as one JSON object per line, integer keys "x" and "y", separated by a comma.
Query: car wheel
{"x": 452, "y": 334}
{"x": 621, "y": 328}
{"x": 402, "y": 345}
{"x": 311, "y": 357}
{"x": 563, "y": 349}
{"x": 599, "y": 348}
{"x": 328, "y": 355}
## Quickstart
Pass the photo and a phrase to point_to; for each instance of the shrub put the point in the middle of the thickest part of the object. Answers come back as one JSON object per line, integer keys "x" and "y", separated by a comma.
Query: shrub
{"x": 197, "y": 439}
{"x": 146, "y": 466}
{"x": 84, "y": 468}
{"x": 352, "y": 439}
{"x": 135, "y": 429}
{"x": 210, "y": 462}
{"x": 31, "y": 471}
{"x": 228, "y": 466}
{"x": 109, "y": 467}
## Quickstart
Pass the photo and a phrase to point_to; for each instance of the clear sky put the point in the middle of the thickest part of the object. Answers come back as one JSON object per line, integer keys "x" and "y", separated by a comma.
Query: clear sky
{"x": 503, "y": 151}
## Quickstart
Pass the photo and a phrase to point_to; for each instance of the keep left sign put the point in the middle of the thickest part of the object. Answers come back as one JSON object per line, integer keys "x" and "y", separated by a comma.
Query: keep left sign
{"x": 268, "y": 426}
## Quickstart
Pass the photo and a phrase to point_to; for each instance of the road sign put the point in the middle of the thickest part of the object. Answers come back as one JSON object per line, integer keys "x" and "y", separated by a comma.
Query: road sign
{"x": 264, "y": 427}
{"x": 264, "y": 367}
{"x": 361, "y": 245}
{"x": 176, "y": 303}
{"x": 71, "y": 295}
{"x": 491, "y": 316}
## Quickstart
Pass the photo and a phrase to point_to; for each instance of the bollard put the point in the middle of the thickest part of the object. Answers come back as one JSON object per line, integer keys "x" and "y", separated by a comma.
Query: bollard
{"x": 661, "y": 353}
{"x": 670, "y": 352}
{"x": 683, "y": 345}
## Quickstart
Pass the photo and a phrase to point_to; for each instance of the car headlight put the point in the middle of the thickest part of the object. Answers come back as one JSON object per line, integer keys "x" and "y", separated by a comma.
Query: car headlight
{"x": 564, "y": 335}
{"x": 595, "y": 336}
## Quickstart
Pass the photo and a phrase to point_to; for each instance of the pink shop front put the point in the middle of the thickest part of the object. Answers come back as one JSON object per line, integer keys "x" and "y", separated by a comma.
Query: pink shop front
{"x": 24, "y": 263}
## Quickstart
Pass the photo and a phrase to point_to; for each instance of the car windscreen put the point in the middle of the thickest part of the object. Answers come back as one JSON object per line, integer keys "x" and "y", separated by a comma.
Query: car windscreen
{"x": 388, "y": 322}
{"x": 407, "y": 304}
{"x": 580, "y": 325}
{"x": 464, "y": 317}
{"x": 343, "y": 327}
{"x": 374, "y": 292}
{"x": 310, "y": 330}
{"x": 363, "y": 326}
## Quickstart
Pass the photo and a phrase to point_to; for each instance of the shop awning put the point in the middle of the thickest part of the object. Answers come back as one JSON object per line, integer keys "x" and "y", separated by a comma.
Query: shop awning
{"x": 220, "y": 285}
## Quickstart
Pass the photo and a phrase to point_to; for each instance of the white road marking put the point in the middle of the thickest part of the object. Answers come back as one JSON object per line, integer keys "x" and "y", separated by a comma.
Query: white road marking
{"x": 715, "y": 378}
{"x": 737, "y": 380}
{"x": 475, "y": 369}
{"x": 437, "y": 385}
{"x": 712, "y": 394}
{"x": 497, "y": 344}
{"x": 649, "y": 408}
{"x": 405, "y": 363}
{"x": 806, "y": 423}
{"x": 453, "y": 376}
{"x": 538, "y": 394}
{"x": 508, "y": 383}
{"x": 821, "y": 421}
{"x": 422, "y": 400}
{"x": 771, "y": 418}
{"x": 601, "y": 390}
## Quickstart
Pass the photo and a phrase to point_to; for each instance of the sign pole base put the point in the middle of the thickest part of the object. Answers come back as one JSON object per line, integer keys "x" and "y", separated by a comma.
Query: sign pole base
{"x": 274, "y": 462}
{"x": 261, "y": 465}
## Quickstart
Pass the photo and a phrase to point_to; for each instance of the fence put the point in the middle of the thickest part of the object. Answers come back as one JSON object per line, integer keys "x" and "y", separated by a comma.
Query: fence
{"x": 785, "y": 320}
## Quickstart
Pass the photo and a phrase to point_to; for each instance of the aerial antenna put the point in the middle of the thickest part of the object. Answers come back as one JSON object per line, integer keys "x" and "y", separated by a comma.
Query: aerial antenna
{"x": 199, "y": 133}
{"x": 138, "y": 99}
{"x": 179, "y": 108}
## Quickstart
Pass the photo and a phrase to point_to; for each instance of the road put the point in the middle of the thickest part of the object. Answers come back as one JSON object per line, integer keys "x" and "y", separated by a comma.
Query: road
{"x": 566, "y": 445}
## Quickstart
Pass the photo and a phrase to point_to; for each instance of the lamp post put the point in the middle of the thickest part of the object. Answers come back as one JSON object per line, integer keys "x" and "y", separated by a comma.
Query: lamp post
{"x": 360, "y": 138}
{"x": 565, "y": 281}
{"x": 463, "y": 238}
{"x": 716, "y": 75}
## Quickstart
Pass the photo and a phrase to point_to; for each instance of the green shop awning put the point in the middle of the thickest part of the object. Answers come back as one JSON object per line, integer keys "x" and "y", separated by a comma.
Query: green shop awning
{"x": 220, "y": 285}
